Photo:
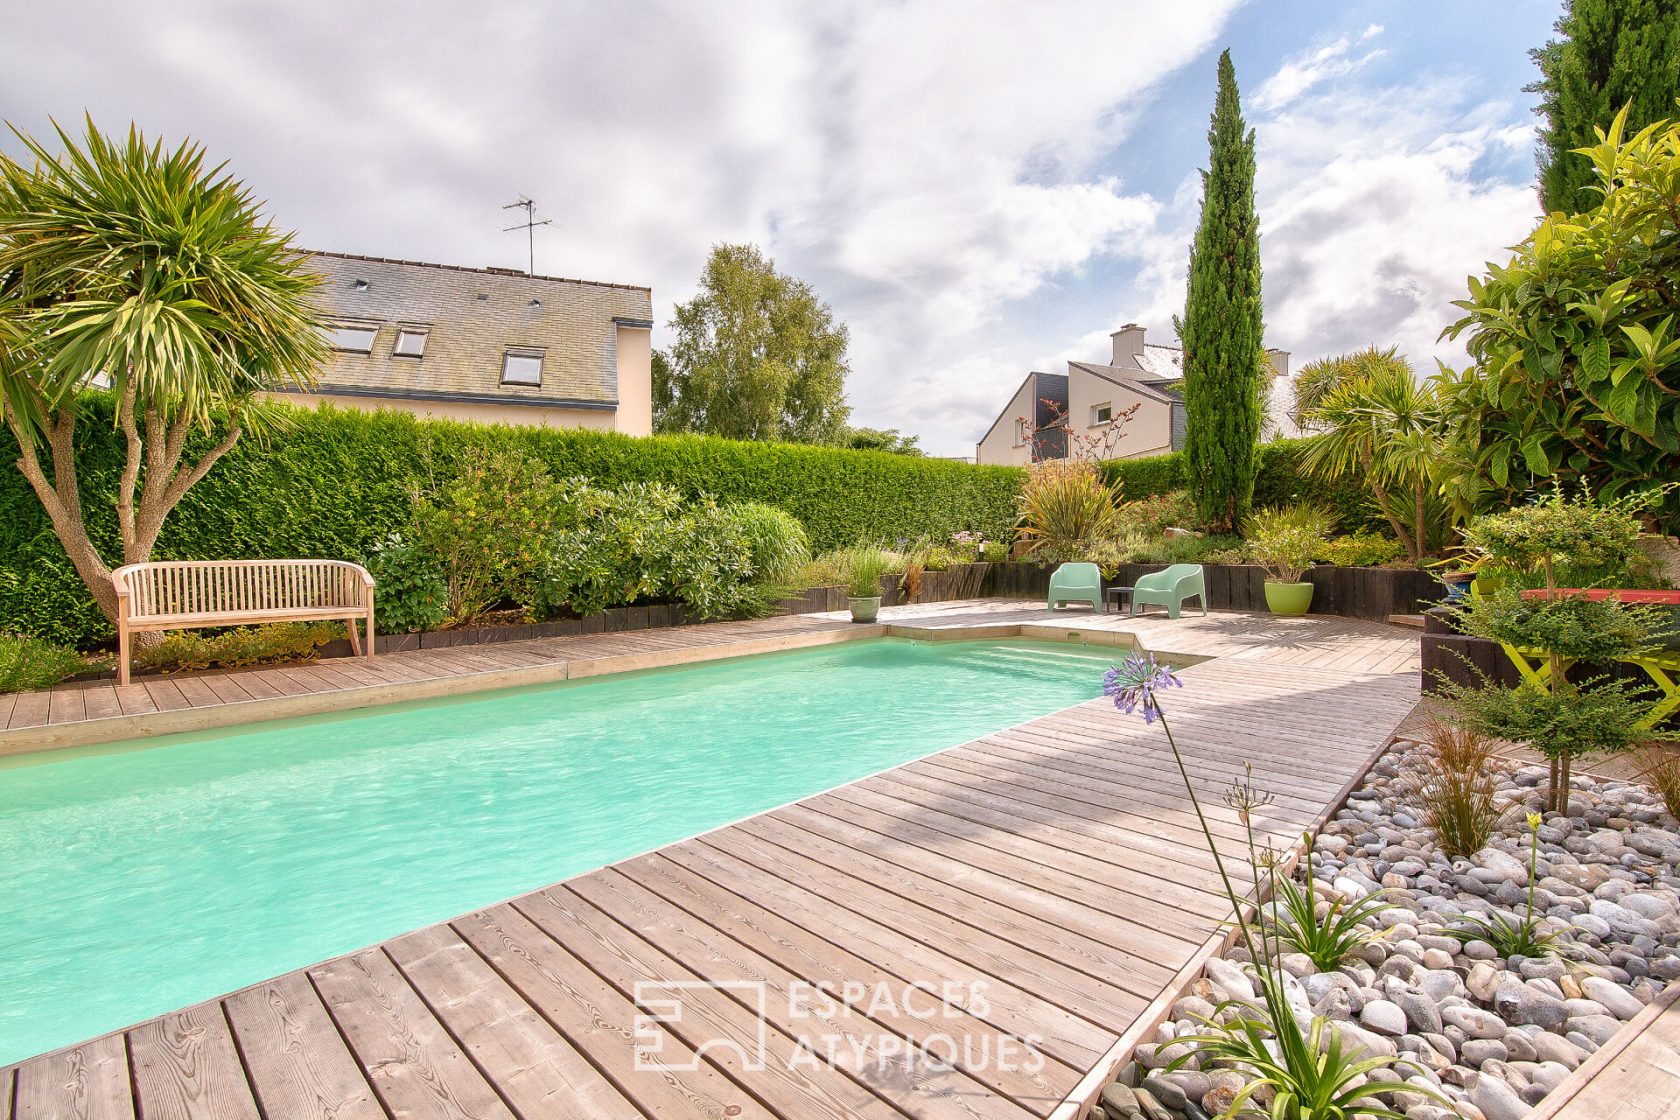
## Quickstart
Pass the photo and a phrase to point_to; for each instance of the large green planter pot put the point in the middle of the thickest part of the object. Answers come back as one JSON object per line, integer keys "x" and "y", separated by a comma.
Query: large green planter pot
{"x": 1288, "y": 598}
{"x": 864, "y": 608}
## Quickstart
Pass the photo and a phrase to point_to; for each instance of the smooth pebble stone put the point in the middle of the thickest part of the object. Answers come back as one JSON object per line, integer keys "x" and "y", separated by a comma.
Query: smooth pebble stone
{"x": 1119, "y": 1101}
{"x": 1520, "y": 1046}
{"x": 1549, "y": 1074}
{"x": 1383, "y": 1017}
{"x": 1497, "y": 1100}
{"x": 1421, "y": 1013}
{"x": 1615, "y": 999}
{"x": 1165, "y": 1091}
{"x": 1480, "y": 1050}
{"x": 1599, "y": 1028}
{"x": 1483, "y": 980}
{"x": 1474, "y": 1022}
{"x": 1192, "y": 1007}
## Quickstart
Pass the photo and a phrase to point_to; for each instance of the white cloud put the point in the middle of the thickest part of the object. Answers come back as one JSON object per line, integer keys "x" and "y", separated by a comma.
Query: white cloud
{"x": 941, "y": 171}
{"x": 1302, "y": 72}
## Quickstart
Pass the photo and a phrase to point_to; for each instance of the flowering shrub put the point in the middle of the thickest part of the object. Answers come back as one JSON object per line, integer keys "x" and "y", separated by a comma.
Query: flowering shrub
{"x": 614, "y": 550}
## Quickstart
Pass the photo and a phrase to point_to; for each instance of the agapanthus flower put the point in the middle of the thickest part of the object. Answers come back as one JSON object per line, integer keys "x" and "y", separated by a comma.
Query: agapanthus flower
{"x": 1133, "y": 683}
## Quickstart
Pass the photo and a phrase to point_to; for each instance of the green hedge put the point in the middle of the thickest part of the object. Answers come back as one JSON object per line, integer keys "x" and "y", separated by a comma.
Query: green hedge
{"x": 1280, "y": 481}
{"x": 336, "y": 481}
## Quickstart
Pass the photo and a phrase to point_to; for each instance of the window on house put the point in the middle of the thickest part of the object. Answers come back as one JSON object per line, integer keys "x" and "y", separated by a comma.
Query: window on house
{"x": 1020, "y": 431}
{"x": 357, "y": 338}
{"x": 411, "y": 342}
{"x": 522, "y": 367}
{"x": 1102, "y": 413}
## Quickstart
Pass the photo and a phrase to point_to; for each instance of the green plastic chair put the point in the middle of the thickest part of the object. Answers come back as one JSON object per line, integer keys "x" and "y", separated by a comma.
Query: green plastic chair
{"x": 1170, "y": 587}
{"x": 1076, "y": 583}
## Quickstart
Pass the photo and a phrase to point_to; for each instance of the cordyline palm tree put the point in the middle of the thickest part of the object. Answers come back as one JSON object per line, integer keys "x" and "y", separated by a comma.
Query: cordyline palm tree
{"x": 1380, "y": 422}
{"x": 134, "y": 269}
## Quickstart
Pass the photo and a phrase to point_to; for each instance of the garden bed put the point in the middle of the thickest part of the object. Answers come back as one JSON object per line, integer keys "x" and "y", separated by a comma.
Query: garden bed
{"x": 1368, "y": 593}
{"x": 1492, "y": 1034}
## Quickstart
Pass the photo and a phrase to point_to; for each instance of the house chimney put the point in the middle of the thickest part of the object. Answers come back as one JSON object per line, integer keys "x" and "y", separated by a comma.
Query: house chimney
{"x": 1280, "y": 362}
{"x": 1128, "y": 346}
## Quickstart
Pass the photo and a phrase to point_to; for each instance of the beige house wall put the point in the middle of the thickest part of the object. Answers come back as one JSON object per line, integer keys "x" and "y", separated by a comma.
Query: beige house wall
{"x": 635, "y": 381}
{"x": 1149, "y": 432}
{"x": 999, "y": 447}
{"x": 534, "y": 416}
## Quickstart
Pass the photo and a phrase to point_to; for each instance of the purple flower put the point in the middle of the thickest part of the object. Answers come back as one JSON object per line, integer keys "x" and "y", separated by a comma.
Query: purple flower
{"x": 1133, "y": 684}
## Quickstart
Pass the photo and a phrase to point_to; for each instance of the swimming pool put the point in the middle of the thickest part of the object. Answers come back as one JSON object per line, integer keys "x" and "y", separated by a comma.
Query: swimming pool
{"x": 137, "y": 881}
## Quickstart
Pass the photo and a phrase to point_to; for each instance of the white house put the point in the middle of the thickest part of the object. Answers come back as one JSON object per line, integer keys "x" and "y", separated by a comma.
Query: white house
{"x": 1084, "y": 411}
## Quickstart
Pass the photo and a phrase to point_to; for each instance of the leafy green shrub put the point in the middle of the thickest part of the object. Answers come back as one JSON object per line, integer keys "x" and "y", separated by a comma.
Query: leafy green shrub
{"x": 1363, "y": 549}
{"x": 776, "y": 538}
{"x": 616, "y": 549}
{"x": 994, "y": 552}
{"x": 707, "y": 562}
{"x": 488, "y": 525}
{"x": 238, "y": 647}
{"x": 342, "y": 480}
{"x": 1571, "y": 626}
{"x": 28, "y": 662}
{"x": 1285, "y": 540}
{"x": 1560, "y": 528}
{"x": 1068, "y": 512}
{"x": 937, "y": 558}
{"x": 410, "y": 590}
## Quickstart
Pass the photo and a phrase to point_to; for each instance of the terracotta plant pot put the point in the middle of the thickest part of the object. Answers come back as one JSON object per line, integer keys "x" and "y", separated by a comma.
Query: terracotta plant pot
{"x": 1288, "y": 598}
{"x": 864, "y": 609}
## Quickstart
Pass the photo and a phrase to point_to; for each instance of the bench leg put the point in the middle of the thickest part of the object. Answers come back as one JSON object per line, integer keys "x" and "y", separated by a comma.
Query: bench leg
{"x": 122, "y": 655}
{"x": 355, "y": 642}
{"x": 370, "y": 634}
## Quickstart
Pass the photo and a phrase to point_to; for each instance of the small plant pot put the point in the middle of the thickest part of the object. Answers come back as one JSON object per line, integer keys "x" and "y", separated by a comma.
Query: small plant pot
{"x": 1484, "y": 586}
{"x": 1288, "y": 598}
{"x": 864, "y": 608}
{"x": 1457, "y": 585}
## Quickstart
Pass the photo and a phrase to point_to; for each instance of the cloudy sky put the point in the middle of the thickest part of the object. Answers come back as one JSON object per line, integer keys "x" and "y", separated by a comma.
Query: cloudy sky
{"x": 978, "y": 189}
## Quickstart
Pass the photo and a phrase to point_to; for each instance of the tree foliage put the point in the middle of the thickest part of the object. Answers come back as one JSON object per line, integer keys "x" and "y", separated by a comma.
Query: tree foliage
{"x": 127, "y": 264}
{"x": 1222, "y": 329}
{"x": 1609, "y": 54}
{"x": 1577, "y": 360}
{"x": 1377, "y": 422}
{"x": 757, "y": 356}
{"x": 880, "y": 439}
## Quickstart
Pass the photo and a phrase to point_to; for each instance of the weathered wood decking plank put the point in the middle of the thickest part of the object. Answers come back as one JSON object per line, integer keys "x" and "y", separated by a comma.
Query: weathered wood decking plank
{"x": 1057, "y": 864}
{"x": 286, "y": 1037}
{"x": 86, "y": 1082}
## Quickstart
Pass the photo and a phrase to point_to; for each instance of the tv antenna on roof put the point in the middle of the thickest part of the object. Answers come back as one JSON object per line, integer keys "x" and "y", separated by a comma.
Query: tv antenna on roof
{"x": 529, "y": 225}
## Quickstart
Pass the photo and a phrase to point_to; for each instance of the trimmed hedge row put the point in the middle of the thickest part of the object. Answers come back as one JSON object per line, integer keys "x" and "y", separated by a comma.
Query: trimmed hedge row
{"x": 335, "y": 481}
{"x": 1279, "y": 481}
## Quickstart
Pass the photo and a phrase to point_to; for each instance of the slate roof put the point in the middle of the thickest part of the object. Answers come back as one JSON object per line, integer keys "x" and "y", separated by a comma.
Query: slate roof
{"x": 474, "y": 316}
{"x": 1152, "y": 388}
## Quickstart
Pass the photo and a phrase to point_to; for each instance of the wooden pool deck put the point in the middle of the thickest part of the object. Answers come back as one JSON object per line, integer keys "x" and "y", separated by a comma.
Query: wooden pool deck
{"x": 1048, "y": 878}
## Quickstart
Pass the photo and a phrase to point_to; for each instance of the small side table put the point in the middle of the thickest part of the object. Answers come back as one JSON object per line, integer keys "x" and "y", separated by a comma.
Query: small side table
{"x": 1115, "y": 595}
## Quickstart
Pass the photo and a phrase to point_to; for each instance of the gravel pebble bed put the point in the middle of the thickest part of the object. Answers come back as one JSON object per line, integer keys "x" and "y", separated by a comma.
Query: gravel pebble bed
{"x": 1492, "y": 1035}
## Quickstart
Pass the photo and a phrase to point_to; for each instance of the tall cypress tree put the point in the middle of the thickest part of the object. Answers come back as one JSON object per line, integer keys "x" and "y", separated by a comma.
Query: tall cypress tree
{"x": 1222, "y": 328}
{"x": 1611, "y": 53}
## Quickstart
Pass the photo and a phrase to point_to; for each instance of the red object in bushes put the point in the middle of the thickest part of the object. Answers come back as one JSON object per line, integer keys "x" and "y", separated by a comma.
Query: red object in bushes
{"x": 1626, "y": 595}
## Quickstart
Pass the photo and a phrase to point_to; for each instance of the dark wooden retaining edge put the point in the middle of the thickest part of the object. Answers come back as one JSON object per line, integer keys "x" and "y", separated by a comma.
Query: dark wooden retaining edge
{"x": 1078, "y": 1103}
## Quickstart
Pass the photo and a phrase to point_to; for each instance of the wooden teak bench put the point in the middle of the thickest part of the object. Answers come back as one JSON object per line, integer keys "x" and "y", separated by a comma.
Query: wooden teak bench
{"x": 189, "y": 594}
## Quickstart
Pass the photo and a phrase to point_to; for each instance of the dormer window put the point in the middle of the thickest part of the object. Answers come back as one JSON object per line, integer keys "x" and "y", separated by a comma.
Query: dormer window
{"x": 411, "y": 342}
{"x": 522, "y": 367}
{"x": 352, "y": 337}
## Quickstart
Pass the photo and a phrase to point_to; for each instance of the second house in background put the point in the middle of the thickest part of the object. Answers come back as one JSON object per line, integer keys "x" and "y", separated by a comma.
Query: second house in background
{"x": 1053, "y": 415}
{"x": 486, "y": 344}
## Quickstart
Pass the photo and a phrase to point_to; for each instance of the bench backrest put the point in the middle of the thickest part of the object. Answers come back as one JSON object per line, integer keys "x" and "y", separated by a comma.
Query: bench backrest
{"x": 218, "y": 587}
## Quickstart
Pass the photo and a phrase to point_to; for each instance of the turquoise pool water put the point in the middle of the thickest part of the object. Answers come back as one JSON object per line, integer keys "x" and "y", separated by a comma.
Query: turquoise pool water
{"x": 140, "y": 880}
